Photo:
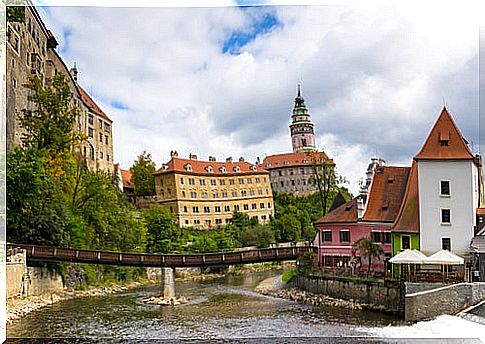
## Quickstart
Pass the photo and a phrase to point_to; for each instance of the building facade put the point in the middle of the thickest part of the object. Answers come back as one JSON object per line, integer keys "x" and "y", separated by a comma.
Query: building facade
{"x": 291, "y": 172}
{"x": 207, "y": 193}
{"x": 339, "y": 229}
{"x": 31, "y": 52}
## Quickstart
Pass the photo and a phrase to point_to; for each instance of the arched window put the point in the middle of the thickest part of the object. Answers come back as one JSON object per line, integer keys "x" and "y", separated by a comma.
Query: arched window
{"x": 188, "y": 168}
{"x": 209, "y": 169}
{"x": 237, "y": 169}
{"x": 91, "y": 152}
{"x": 223, "y": 169}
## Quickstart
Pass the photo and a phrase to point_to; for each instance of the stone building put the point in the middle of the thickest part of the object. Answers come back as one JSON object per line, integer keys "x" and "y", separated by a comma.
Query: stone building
{"x": 291, "y": 172}
{"x": 31, "y": 52}
{"x": 207, "y": 193}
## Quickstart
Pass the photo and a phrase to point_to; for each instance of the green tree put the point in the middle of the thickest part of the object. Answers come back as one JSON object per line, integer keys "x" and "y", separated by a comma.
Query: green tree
{"x": 368, "y": 248}
{"x": 163, "y": 235}
{"x": 325, "y": 179}
{"x": 50, "y": 125}
{"x": 16, "y": 14}
{"x": 260, "y": 236}
{"x": 142, "y": 175}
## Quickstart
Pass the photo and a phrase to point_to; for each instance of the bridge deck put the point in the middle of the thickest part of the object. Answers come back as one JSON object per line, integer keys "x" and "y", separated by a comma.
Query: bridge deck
{"x": 58, "y": 254}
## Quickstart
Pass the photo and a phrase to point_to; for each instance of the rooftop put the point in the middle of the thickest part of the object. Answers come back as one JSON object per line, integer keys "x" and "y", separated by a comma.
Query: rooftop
{"x": 91, "y": 104}
{"x": 294, "y": 159}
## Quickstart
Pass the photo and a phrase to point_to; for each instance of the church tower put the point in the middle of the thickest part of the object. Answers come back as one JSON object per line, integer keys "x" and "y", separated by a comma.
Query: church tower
{"x": 301, "y": 128}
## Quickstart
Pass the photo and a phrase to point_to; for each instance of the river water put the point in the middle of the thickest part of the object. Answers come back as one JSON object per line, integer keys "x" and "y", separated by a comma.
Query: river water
{"x": 219, "y": 309}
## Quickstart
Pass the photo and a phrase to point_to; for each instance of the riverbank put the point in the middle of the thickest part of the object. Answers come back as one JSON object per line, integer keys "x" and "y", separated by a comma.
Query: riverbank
{"x": 18, "y": 307}
{"x": 274, "y": 286}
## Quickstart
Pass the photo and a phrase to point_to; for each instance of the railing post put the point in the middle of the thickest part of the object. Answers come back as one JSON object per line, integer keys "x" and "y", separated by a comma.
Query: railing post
{"x": 183, "y": 260}
{"x": 223, "y": 258}
{"x": 203, "y": 258}
{"x": 98, "y": 257}
{"x": 55, "y": 252}
{"x": 120, "y": 258}
{"x": 241, "y": 256}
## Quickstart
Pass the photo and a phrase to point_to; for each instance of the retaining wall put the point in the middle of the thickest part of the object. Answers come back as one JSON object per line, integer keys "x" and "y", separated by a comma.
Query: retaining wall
{"x": 445, "y": 300}
{"x": 386, "y": 295}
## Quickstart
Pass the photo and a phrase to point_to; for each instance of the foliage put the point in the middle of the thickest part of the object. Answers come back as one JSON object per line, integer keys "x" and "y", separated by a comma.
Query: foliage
{"x": 16, "y": 14}
{"x": 289, "y": 275}
{"x": 142, "y": 175}
{"x": 368, "y": 248}
{"x": 260, "y": 236}
{"x": 307, "y": 262}
{"x": 49, "y": 125}
{"x": 163, "y": 235}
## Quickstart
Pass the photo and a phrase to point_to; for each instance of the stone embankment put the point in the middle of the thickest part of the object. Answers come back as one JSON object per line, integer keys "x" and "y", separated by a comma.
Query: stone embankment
{"x": 275, "y": 287}
{"x": 18, "y": 307}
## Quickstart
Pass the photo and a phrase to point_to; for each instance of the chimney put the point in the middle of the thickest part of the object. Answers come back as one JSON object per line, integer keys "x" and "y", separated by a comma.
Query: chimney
{"x": 229, "y": 159}
{"x": 192, "y": 156}
{"x": 360, "y": 207}
{"x": 241, "y": 159}
{"x": 174, "y": 154}
{"x": 258, "y": 161}
{"x": 212, "y": 158}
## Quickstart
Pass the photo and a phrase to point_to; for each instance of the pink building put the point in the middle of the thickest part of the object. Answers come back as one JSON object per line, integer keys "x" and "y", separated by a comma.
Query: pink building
{"x": 350, "y": 221}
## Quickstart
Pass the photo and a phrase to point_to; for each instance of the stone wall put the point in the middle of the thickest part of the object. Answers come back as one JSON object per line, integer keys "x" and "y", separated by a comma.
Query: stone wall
{"x": 386, "y": 295}
{"x": 25, "y": 281}
{"x": 445, "y": 300}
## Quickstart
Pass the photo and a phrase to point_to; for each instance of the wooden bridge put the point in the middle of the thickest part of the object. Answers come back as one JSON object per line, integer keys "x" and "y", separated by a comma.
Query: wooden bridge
{"x": 58, "y": 254}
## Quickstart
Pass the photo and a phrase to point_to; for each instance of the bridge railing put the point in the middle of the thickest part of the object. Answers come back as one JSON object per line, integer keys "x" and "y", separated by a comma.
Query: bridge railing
{"x": 160, "y": 260}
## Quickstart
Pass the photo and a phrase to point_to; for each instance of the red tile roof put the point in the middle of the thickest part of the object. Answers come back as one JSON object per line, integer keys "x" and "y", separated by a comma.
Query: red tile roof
{"x": 91, "y": 104}
{"x": 386, "y": 193}
{"x": 445, "y": 141}
{"x": 345, "y": 213}
{"x": 126, "y": 178}
{"x": 480, "y": 211}
{"x": 202, "y": 167}
{"x": 294, "y": 159}
{"x": 407, "y": 220}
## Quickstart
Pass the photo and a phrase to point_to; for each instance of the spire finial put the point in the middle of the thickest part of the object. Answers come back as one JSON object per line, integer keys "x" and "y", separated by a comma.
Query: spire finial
{"x": 299, "y": 88}
{"x": 444, "y": 102}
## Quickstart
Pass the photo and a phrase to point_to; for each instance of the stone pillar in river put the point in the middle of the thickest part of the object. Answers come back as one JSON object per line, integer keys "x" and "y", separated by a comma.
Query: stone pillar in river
{"x": 168, "y": 283}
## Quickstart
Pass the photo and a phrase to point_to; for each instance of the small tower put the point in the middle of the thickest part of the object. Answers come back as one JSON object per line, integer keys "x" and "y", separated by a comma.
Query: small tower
{"x": 301, "y": 128}
{"x": 74, "y": 72}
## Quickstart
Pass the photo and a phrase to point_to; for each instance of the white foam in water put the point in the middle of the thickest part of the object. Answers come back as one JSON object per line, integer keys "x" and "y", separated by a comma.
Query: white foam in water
{"x": 444, "y": 326}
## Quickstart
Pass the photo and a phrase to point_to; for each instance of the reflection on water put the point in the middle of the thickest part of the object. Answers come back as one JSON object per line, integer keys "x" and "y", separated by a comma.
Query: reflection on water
{"x": 226, "y": 308}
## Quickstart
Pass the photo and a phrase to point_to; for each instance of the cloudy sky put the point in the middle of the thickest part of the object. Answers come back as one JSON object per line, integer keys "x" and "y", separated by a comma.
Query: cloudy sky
{"x": 221, "y": 81}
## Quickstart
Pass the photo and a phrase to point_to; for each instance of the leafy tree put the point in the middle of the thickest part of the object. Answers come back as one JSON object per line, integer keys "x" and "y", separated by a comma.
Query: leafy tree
{"x": 142, "y": 175}
{"x": 368, "y": 248}
{"x": 260, "y": 236}
{"x": 163, "y": 235}
{"x": 204, "y": 243}
{"x": 16, "y": 14}
{"x": 50, "y": 125}
{"x": 325, "y": 179}
{"x": 291, "y": 228}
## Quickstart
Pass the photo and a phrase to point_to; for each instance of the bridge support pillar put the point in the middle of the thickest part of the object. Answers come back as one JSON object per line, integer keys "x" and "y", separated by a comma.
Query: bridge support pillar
{"x": 168, "y": 283}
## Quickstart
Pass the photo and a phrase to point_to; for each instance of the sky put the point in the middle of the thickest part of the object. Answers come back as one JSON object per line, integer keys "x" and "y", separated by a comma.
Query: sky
{"x": 221, "y": 81}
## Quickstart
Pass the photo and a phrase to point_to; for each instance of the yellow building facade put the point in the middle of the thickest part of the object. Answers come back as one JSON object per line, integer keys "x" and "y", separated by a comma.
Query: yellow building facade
{"x": 207, "y": 193}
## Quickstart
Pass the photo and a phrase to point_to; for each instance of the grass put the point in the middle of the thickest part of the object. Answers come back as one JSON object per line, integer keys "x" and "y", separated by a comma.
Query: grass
{"x": 289, "y": 275}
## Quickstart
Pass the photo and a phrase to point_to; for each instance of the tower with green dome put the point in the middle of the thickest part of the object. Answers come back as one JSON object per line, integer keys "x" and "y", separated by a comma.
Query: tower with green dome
{"x": 301, "y": 128}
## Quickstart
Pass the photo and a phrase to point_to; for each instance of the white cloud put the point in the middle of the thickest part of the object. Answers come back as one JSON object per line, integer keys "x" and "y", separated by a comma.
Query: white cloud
{"x": 373, "y": 78}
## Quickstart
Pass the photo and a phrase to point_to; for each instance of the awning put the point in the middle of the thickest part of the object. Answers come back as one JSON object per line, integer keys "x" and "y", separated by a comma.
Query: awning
{"x": 478, "y": 244}
{"x": 444, "y": 257}
{"x": 408, "y": 257}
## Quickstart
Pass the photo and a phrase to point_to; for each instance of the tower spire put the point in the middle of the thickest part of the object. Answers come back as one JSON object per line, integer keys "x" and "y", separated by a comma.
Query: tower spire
{"x": 299, "y": 88}
{"x": 301, "y": 128}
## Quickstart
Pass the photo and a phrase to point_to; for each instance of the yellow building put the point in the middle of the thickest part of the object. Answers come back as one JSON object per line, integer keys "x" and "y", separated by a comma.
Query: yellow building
{"x": 207, "y": 193}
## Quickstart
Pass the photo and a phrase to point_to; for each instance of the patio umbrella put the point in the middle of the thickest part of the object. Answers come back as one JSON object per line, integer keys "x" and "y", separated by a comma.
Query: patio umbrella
{"x": 408, "y": 257}
{"x": 444, "y": 257}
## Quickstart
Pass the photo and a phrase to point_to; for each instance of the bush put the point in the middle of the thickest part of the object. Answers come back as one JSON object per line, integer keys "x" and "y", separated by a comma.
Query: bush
{"x": 289, "y": 275}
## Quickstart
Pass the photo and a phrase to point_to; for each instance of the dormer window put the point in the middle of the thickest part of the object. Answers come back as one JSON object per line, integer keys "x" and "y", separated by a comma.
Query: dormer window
{"x": 444, "y": 139}
{"x": 209, "y": 169}
{"x": 253, "y": 167}
{"x": 237, "y": 169}
{"x": 188, "y": 168}
{"x": 223, "y": 169}
{"x": 268, "y": 164}
{"x": 285, "y": 162}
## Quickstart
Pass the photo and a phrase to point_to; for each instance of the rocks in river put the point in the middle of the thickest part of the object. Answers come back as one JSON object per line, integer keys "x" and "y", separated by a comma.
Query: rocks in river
{"x": 154, "y": 300}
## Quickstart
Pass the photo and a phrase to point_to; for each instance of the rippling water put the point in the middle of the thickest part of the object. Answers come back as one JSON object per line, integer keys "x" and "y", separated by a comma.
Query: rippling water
{"x": 226, "y": 308}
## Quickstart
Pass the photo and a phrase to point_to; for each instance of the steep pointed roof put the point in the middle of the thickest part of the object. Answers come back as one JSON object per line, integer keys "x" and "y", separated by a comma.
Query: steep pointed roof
{"x": 445, "y": 141}
{"x": 345, "y": 213}
{"x": 386, "y": 193}
{"x": 407, "y": 220}
{"x": 338, "y": 201}
{"x": 300, "y": 108}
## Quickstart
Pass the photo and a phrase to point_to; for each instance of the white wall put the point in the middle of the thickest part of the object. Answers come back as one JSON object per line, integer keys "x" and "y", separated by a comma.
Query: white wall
{"x": 462, "y": 202}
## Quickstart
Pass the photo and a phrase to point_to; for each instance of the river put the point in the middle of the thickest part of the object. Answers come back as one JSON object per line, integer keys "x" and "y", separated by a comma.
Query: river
{"x": 225, "y": 308}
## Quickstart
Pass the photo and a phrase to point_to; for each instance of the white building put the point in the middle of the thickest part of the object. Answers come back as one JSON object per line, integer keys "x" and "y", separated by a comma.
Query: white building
{"x": 449, "y": 189}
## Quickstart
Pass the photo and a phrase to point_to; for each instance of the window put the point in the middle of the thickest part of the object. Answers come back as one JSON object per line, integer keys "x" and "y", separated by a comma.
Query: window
{"x": 209, "y": 169}
{"x": 258, "y": 180}
{"x": 202, "y": 181}
{"x": 261, "y": 205}
{"x": 91, "y": 119}
{"x": 217, "y": 209}
{"x": 251, "y": 192}
{"x": 106, "y": 139}
{"x": 191, "y": 181}
{"x": 196, "y": 222}
{"x": 254, "y": 206}
{"x": 444, "y": 187}
{"x": 236, "y": 207}
{"x": 282, "y": 184}
{"x": 186, "y": 222}
{"x": 246, "y": 206}
{"x": 204, "y": 195}
{"x": 241, "y": 181}
{"x": 269, "y": 205}
{"x": 218, "y": 221}
{"x": 195, "y": 209}
{"x": 100, "y": 137}
{"x": 186, "y": 210}
{"x": 207, "y": 209}
{"x": 91, "y": 152}
{"x": 100, "y": 123}
{"x": 90, "y": 132}
{"x": 249, "y": 180}
{"x": 107, "y": 157}
{"x": 243, "y": 193}
{"x": 376, "y": 236}
{"x": 234, "y": 194}
{"x": 101, "y": 155}
{"x": 446, "y": 244}
{"x": 224, "y": 194}
{"x": 387, "y": 237}
{"x": 232, "y": 182}
{"x": 445, "y": 216}
{"x": 327, "y": 236}
{"x": 263, "y": 217}
{"x": 405, "y": 242}
{"x": 193, "y": 194}
{"x": 188, "y": 168}
{"x": 345, "y": 235}
{"x": 181, "y": 180}
{"x": 14, "y": 82}
{"x": 215, "y": 195}
{"x": 227, "y": 208}
{"x": 222, "y": 182}
{"x": 106, "y": 127}
{"x": 213, "y": 182}
{"x": 183, "y": 194}
{"x": 260, "y": 191}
